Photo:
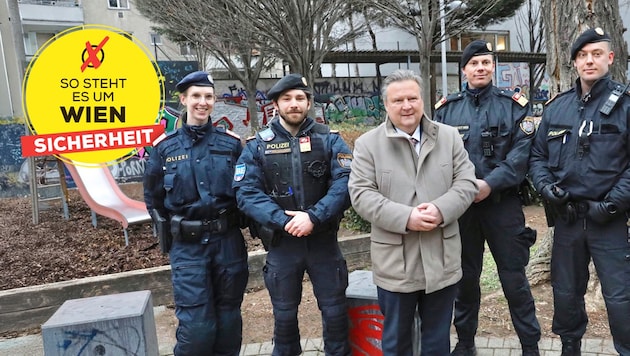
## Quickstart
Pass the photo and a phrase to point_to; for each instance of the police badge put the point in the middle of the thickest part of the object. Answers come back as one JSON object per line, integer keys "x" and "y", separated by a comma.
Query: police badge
{"x": 528, "y": 125}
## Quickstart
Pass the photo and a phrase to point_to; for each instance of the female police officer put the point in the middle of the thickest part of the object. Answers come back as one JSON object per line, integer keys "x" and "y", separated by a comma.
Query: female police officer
{"x": 187, "y": 183}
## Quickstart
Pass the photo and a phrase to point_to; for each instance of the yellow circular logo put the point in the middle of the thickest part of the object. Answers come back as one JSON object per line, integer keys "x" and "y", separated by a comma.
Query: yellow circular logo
{"x": 91, "y": 95}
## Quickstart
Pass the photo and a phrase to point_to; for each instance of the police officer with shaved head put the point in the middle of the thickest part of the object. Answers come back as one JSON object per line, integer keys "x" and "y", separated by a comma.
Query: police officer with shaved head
{"x": 580, "y": 164}
{"x": 292, "y": 182}
{"x": 188, "y": 190}
{"x": 497, "y": 132}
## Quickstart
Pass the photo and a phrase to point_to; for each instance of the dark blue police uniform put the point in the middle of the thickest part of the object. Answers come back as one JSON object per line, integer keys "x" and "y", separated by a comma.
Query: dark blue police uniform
{"x": 587, "y": 155}
{"x": 308, "y": 172}
{"x": 497, "y": 134}
{"x": 188, "y": 180}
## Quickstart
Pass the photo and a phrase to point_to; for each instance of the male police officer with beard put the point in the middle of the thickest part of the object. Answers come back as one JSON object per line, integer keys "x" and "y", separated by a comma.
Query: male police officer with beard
{"x": 580, "y": 163}
{"x": 497, "y": 134}
{"x": 292, "y": 181}
{"x": 188, "y": 189}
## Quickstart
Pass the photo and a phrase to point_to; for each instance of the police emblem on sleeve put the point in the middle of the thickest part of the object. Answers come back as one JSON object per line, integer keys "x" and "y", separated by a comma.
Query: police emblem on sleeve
{"x": 344, "y": 159}
{"x": 239, "y": 172}
{"x": 528, "y": 125}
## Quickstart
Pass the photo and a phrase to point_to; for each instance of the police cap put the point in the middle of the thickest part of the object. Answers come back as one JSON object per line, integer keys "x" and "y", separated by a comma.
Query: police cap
{"x": 198, "y": 78}
{"x": 291, "y": 81}
{"x": 475, "y": 48}
{"x": 592, "y": 35}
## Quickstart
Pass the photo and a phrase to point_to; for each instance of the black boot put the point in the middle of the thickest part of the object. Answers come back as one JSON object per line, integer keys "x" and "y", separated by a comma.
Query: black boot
{"x": 571, "y": 347}
{"x": 462, "y": 349}
{"x": 531, "y": 350}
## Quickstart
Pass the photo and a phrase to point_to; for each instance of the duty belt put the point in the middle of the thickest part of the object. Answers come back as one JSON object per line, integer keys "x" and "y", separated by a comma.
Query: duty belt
{"x": 573, "y": 210}
{"x": 193, "y": 230}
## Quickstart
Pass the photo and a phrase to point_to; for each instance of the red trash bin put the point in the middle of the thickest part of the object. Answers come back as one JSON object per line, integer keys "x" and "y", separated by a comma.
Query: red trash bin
{"x": 366, "y": 319}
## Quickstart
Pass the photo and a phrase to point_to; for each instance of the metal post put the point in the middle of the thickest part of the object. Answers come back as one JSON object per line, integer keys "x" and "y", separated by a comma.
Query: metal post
{"x": 443, "y": 48}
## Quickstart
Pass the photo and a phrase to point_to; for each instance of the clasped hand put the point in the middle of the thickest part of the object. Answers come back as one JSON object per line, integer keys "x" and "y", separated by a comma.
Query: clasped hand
{"x": 424, "y": 217}
{"x": 300, "y": 225}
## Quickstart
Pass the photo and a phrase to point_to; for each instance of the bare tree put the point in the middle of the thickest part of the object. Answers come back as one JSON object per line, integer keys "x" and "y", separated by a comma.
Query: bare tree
{"x": 530, "y": 38}
{"x": 260, "y": 32}
{"x": 215, "y": 27}
{"x": 303, "y": 32}
{"x": 421, "y": 19}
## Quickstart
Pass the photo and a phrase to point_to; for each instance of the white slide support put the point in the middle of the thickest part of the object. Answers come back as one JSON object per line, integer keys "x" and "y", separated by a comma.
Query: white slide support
{"x": 101, "y": 192}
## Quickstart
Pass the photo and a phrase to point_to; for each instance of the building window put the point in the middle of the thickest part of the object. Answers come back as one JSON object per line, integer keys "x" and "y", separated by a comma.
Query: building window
{"x": 500, "y": 40}
{"x": 185, "y": 49}
{"x": 118, "y": 4}
{"x": 155, "y": 39}
{"x": 30, "y": 43}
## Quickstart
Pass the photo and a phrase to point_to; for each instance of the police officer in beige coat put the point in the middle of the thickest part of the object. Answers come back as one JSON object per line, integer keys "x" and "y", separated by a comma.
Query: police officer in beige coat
{"x": 412, "y": 179}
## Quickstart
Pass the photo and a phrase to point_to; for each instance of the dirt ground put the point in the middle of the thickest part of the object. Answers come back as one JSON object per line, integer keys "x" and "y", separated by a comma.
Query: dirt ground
{"x": 57, "y": 249}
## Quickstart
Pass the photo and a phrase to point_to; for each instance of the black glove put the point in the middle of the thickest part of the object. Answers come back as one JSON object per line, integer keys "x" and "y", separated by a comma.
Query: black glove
{"x": 554, "y": 194}
{"x": 601, "y": 211}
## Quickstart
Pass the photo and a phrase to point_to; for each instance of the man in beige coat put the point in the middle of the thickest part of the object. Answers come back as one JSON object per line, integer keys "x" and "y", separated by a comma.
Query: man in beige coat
{"x": 412, "y": 179}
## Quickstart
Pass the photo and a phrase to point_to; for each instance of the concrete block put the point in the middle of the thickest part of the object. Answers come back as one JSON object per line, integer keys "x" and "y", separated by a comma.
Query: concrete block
{"x": 116, "y": 324}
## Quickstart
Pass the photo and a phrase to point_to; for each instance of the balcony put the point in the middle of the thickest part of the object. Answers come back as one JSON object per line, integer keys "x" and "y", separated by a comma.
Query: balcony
{"x": 47, "y": 16}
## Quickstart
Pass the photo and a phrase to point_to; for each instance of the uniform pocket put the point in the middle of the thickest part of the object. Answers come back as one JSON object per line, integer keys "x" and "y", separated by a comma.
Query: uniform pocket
{"x": 385, "y": 182}
{"x": 190, "y": 285}
{"x": 173, "y": 194}
{"x": 556, "y": 140}
{"x": 452, "y": 247}
{"x": 605, "y": 149}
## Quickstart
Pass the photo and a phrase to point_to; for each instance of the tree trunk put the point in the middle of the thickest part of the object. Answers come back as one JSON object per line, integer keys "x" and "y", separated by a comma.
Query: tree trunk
{"x": 252, "y": 106}
{"x": 564, "y": 21}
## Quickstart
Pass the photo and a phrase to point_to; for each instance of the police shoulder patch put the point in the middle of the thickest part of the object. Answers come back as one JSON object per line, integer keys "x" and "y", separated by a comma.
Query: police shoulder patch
{"x": 440, "y": 103}
{"x": 344, "y": 159}
{"x": 528, "y": 125}
{"x": 448, "y": 99}
{"x": 239, "y": 172}
{"x": 267, "y": 134}
{"x": 557, "y": 95}
{"x": 520, "y": 99}
{"x": 232, "y": 133}
{"x": 163, "y": 137}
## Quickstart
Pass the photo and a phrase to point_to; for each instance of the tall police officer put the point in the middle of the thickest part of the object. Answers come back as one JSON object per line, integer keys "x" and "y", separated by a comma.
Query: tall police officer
{"x": 497, "y": 134}
{"x": 292, "y": 180}
{"x": 580, "y": 163}
{"x": 188, "y": 187}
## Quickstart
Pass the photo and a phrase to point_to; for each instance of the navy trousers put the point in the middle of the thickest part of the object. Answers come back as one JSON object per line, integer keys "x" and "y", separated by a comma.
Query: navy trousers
{"x": 608, "y": 245}
{"x": 435, "y": 311}
{"x": 209, "y": 281}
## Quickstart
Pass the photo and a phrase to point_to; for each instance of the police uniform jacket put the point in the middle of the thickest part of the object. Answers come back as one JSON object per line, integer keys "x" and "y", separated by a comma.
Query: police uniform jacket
{"x": 308, "y": 172}
{"x": 191, "y": 174}
{"x": 500, "y": 115}
{"x": 582, "y": 150}
{"x": 388, "y": 180}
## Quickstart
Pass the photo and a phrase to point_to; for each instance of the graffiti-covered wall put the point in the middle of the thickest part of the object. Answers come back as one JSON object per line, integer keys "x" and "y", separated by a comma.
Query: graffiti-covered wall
{"x": 515, "y": 76}
{"x": 353, "y": 100}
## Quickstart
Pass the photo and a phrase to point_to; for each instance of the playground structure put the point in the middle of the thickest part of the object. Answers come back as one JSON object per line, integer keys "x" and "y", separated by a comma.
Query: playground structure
{"x": 99, "y": 189}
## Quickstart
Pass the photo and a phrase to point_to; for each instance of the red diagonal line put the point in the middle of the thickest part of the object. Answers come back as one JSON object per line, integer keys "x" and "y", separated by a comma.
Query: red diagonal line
{"x": 92, "y": 58}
